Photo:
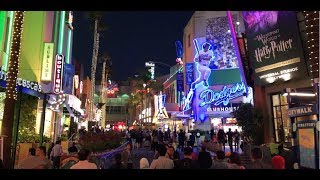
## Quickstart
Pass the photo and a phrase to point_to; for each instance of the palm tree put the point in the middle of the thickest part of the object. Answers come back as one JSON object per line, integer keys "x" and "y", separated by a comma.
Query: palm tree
{"x": 11, "y": 93}
{"x": 106, "y": 63}
{"x": 134, "y": 100}
{"x": 150, "y": 87}
{"x": 95, "y": 16}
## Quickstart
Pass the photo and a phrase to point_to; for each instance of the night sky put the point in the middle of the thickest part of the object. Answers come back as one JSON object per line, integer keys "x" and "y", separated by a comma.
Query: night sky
{"x": 132, "y": 39}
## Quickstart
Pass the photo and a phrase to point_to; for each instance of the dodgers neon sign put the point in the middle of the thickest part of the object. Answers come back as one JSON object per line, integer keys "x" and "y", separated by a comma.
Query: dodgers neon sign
{"x": 224, "y": 96}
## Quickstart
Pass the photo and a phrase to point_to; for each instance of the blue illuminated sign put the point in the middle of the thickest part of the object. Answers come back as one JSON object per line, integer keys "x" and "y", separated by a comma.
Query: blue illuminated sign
{"x": 224, "y": 96}
{"x": 189, "y": 73}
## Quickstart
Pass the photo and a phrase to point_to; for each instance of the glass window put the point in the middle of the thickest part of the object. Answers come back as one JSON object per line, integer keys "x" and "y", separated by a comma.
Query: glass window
{"x": 282, "y": 123}
{"x": 275, "y": 100}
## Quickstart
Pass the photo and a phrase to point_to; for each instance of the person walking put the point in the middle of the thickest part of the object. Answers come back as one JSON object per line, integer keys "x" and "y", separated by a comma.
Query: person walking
{"x": 230, "y": 139}
{"x": 56, "y": 154}
{"x": 221, "y": 139}
{"x": 236, "y": 135}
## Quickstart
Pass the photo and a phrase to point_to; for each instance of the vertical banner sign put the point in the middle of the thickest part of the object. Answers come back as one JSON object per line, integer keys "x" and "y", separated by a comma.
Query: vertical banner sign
{"x": 47, "y": 61}
{"x": 189, "y": 73}
{"x": 179, "y": 81}
{"x": 58, "y": 72}
{"x": 274, "y": 45}
{"x": 68, "y": 74}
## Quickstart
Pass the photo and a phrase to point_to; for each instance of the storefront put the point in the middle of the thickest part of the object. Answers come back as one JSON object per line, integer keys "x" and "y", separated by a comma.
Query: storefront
{"x": 225, "y": 124}
{"x": 281, "y": 72}
{"x": 25, "y": 88}
{"x": 72, "y": 114}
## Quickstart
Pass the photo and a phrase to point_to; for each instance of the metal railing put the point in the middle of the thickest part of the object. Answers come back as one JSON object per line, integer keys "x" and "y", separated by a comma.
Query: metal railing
{"x": 105, "y": 160}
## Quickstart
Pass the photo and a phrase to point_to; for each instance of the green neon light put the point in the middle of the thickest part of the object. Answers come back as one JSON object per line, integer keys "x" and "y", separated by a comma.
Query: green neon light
{"x": 56, "y": 24}
{"x": 3, "y": 16}
{"x": 68, "y": 60}
{"x": 61, "y": 31}
{"x": 7, "y": 52}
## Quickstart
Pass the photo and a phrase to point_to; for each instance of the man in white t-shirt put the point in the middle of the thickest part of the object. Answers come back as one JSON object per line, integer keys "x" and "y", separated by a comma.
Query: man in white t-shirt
{"x": 203, "y": 58}
{"x": 83, "y": 163}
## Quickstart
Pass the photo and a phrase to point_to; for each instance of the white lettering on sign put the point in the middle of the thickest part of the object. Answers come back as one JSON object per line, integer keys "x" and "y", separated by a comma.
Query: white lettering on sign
{"x": 57, "y": 84}
{"x": 224, "y": 96}
{"x": 152, "y": 72}
{"x": 303, "y": 110}
{"x": 222, "y": 109}
{"x": 304, "y": 125}
{"x": 22, "y": 82}
{"x": 149, "y": 64}
{"x": 47, "y": 61}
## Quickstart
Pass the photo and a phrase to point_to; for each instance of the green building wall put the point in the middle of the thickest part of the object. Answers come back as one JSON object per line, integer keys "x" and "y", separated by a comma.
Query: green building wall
{"x": 2, "y": 31}
{"x": 32, "y": 45}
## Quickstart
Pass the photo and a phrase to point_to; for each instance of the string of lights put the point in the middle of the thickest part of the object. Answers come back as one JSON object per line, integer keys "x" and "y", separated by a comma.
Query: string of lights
{"x": 13, "y": 69}
{"x": 312, "y": 32}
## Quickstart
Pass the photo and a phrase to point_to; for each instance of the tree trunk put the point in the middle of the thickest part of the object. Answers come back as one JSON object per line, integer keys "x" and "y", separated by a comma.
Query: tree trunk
{"x": 11, "y": 93}
{"x": 103, "y": 96}
{"x": 93, "y": 67}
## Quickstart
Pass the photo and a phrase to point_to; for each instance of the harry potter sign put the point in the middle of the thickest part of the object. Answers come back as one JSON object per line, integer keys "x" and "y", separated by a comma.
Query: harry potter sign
{"x": 274, "y": 45}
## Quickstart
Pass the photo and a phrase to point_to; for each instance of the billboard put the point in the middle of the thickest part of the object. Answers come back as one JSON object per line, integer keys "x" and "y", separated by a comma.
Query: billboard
{"x": 218, "y": 35}
{"x": 68, "y": 74}
{"x": 274, "y": 45}
{"x": 218, "y": 83}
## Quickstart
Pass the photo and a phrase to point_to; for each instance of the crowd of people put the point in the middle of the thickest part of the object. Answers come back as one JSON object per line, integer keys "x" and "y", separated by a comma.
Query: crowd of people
{"x": 172, "y": 150}
{"x": 196, "y": 155}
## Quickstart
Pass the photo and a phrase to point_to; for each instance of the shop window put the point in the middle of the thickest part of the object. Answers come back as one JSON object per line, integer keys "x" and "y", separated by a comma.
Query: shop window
{"x": 282, "y": 125}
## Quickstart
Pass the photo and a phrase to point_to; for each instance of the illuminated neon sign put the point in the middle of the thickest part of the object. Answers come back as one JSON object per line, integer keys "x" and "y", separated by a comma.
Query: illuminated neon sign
{"x": 152, "y": 68}
{"x": 57, "y": 86}
{"x": 159, "y": 106}
{"x": 22, "y": 82}
{"x": 224, "y": 96}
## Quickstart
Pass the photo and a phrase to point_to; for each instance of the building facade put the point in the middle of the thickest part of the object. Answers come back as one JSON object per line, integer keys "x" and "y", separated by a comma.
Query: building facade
{"x": 216, "y": 86}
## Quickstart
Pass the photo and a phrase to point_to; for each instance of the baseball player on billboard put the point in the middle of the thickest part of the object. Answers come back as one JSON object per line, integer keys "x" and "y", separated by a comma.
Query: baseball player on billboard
{"x": 203, "y": 58}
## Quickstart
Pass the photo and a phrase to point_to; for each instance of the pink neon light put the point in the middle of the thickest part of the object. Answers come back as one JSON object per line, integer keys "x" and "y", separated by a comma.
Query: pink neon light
{"x": 235, "y": 44}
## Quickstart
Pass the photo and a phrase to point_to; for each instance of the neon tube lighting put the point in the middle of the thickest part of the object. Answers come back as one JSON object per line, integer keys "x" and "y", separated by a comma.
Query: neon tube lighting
{"x": 6, "y": 56}
{"x": 68, "y": 60}
{"x": 61, "y": 31}
{"x": 300, "y": 94}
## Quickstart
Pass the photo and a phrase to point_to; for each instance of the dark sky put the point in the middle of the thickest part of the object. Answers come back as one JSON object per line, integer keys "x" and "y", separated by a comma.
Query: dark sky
{"x": 132, "y": 39}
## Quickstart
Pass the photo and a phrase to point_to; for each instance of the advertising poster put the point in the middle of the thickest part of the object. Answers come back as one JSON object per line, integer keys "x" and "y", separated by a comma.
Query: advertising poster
{"x": 307, "y": 147}
{"x": 274, "y": 45}
{"x": 68, "y": 74}
{"x": 219, "y": 37}
{"x": 217, "y": 82}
